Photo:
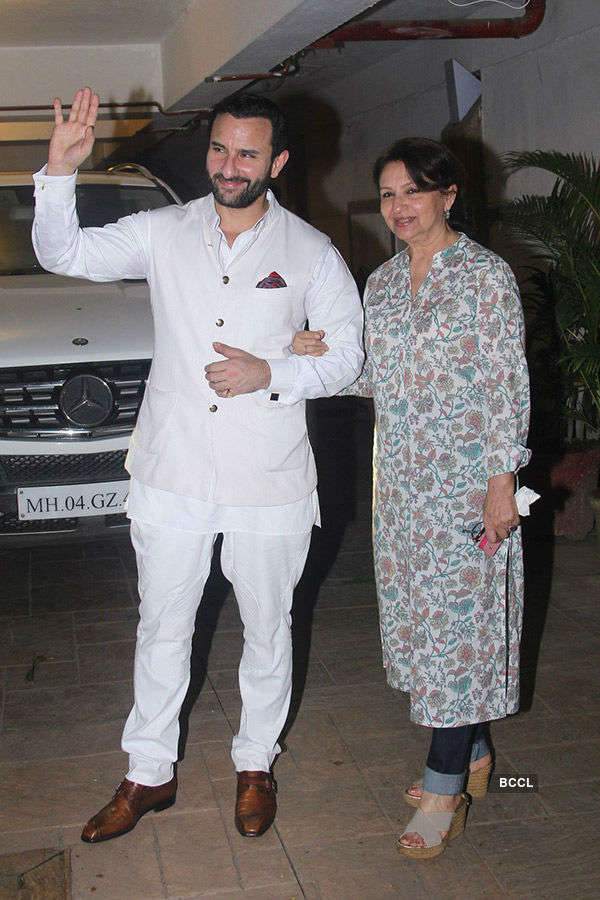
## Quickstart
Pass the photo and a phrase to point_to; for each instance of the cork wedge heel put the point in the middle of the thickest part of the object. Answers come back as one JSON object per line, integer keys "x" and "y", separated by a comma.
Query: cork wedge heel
{"x": 477, "y": 785}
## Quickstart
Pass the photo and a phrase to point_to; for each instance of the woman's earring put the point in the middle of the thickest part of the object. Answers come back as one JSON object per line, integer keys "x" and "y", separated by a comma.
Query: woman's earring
{"x": 446, "y": 214}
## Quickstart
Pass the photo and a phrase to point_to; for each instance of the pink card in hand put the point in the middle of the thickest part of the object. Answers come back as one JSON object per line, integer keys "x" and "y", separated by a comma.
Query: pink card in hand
{"x": 488, "y": 547}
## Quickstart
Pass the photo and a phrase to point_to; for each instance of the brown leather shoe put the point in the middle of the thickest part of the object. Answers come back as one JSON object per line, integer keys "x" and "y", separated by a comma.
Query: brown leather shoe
{"x": 130, "y": 802}
{"x": 255, "y": 805}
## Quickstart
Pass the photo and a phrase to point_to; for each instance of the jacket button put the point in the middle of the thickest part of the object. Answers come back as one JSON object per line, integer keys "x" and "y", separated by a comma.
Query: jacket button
{"x": 213, "y": 407}
{"x": 225, "y": 279}
{"x": 219, "y": 322}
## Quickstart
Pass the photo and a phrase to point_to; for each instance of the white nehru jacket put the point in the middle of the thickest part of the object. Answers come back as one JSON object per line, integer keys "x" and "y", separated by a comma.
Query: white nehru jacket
{"x": 250, "y": 450}
{"x": 150, "y": 505}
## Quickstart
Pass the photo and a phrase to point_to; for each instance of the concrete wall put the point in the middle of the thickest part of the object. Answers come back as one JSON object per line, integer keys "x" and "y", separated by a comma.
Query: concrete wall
{"x": 34, "y": 75}
{"x": 538, "y": 92}
{"x": 208, "y": 34}
{"x": 547, "y": 97}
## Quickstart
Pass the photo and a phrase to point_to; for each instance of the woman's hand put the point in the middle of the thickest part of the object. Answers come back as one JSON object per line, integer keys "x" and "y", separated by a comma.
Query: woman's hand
{"x": 500, "y": 514}
{"x": 309, "y": 343}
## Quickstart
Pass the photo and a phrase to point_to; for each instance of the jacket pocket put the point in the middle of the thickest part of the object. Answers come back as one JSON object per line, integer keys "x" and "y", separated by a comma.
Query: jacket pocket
{"x": 154, "y": 420}
{"x": 274, "y": 435}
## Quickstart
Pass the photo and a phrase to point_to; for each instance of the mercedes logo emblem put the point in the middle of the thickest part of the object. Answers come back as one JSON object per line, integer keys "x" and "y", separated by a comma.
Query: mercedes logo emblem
{"x": 86, "y": 400}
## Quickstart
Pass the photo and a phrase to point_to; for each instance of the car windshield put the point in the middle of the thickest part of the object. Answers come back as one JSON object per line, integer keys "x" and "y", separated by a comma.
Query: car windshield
{"x": 97, "y": 204}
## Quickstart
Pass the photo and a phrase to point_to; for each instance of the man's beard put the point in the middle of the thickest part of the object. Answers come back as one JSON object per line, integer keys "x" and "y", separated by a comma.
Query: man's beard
{"x": 252, "y": 191}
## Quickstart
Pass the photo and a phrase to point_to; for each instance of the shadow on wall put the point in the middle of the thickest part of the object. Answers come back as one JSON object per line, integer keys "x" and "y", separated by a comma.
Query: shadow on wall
{"x": 178, "y": 156}
{"x": 179, "y": 159}
{"x": 484, "y": 182}
{"x": 354, "y": 225}
{"x": 318, "y": 127}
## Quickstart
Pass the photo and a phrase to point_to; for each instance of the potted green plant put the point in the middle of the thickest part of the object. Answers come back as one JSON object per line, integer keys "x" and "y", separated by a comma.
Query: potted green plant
{"x": 561, "y": 232}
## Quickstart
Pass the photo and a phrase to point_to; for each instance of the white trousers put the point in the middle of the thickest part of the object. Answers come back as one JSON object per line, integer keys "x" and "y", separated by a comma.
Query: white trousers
{"x": 173, "y": 566}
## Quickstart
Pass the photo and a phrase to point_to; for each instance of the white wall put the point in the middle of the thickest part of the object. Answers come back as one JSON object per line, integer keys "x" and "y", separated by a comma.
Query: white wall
{"x": 34, "y": 75}
{"x": 547, "y": 98}
{"x": 209, "y": 34}
{"x": 540, "y": 91}
{"x": 237, "y": 36}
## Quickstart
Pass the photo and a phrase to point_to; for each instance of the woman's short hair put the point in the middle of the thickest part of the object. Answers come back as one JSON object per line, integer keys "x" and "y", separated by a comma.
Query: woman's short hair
{"x": 431, "y": 166}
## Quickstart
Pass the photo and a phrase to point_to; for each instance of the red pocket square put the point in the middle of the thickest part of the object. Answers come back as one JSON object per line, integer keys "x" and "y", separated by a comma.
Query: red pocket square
{"x": 274, "y": 280}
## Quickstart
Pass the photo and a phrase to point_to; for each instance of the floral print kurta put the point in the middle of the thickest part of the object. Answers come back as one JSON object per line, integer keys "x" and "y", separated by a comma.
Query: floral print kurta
{"x": 448, "y": 376}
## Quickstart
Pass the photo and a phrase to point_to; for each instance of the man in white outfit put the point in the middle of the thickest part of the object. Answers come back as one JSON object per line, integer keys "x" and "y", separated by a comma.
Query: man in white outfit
{"x": 220, "y": 445}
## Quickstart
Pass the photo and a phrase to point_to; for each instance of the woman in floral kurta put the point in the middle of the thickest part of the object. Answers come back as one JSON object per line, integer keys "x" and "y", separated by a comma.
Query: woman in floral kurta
{"x": 447, "y": 374}
{"x": 445, "y": 366}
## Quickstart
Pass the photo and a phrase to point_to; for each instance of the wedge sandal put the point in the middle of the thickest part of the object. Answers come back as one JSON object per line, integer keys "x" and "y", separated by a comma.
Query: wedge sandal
{"x": 477, "y": 785}
{"x": 430, "y": 826}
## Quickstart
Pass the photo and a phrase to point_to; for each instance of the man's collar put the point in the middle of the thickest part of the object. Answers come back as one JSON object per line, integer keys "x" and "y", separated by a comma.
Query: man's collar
{"x": 214, "y": 219}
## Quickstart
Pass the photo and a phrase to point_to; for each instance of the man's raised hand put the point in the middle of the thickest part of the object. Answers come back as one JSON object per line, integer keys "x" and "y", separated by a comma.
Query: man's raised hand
{"x": 72, "y": 141}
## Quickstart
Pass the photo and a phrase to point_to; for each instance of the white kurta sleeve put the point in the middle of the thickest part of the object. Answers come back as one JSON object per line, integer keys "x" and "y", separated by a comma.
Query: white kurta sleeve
{"x": 363, "y": 386}
{"x": 332, "y": 304}
{"x": 118, "y": 250}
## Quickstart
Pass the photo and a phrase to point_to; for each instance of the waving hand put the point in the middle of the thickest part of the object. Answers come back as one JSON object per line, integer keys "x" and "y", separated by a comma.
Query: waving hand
{"x": 72, "y": 141}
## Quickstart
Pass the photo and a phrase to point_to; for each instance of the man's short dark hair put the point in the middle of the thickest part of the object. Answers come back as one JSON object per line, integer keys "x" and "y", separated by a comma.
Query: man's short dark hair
{"x": 253, "y": 106}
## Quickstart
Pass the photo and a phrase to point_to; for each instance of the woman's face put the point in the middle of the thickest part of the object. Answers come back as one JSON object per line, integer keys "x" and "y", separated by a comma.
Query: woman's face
{"x": 414, "y": 216}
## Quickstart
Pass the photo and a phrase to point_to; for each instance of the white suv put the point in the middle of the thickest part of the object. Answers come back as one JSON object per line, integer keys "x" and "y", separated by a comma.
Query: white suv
{"x": 74, "y": 358}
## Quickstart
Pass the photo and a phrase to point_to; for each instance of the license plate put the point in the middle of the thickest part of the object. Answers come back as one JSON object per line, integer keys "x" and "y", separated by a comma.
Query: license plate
{"x": 69, "y": 501}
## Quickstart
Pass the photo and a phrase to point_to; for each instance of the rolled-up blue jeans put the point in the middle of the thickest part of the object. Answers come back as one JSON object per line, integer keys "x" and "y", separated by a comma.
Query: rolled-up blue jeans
{"x": 450, "y": 752}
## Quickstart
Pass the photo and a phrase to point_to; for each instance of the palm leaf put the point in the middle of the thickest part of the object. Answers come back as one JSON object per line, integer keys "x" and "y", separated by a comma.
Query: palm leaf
{"x": 562, "y": 232}
{"x": 578, "y": 177}
{"x": 540, "y": 223}
{"x": 584, "y": 357}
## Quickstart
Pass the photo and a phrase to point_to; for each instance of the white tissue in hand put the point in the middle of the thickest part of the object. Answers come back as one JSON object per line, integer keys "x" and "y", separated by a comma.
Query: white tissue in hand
{"x": 524, "y": 498}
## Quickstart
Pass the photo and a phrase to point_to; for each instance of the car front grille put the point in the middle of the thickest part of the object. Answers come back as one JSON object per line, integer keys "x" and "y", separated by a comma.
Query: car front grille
{"x": 30, "y": 408}
{"x": 11, "y": 524}
{"x": 71, "y": 468}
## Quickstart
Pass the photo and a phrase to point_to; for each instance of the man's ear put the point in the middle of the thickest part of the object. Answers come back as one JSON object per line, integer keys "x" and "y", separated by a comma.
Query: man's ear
{"x": 278, "y": 163}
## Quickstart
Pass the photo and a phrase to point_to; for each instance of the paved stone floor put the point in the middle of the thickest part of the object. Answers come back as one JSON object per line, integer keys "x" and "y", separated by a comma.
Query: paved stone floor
{"x": 67, "y": 626}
